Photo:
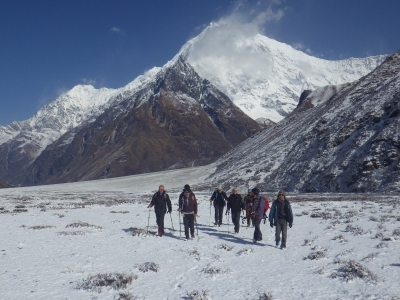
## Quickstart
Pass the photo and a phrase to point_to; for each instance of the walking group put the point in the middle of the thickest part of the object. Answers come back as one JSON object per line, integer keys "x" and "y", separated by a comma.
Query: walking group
{"x": 251, "y": 209}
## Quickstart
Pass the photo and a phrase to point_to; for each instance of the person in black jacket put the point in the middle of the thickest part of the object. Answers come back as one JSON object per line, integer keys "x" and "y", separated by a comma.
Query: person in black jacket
{"x": 160, "y": 201}
{"x": 186, "y": 187}
{"x": 188, "y": 207}
{"x": 235, "y": 206}
{"x": 219, "y": 197}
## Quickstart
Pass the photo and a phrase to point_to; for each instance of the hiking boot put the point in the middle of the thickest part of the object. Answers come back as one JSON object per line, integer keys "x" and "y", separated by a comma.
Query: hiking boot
{"x": 254, "y": 241}
{"x": 277, "y": 244}
{"x": 160, "y": 233}
{"x": 193, "y": 236}
{"x": 283, "y": 247}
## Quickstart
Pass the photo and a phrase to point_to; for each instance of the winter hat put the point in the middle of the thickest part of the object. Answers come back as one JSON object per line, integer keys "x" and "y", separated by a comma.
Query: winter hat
{"x": 282, "y": 192}
{"x": 255, "y": 191}
{"x": 186, "y": 187}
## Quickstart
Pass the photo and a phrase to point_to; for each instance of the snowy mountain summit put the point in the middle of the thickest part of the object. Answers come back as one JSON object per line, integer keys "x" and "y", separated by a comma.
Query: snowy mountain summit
{"x": 262, "y": 76}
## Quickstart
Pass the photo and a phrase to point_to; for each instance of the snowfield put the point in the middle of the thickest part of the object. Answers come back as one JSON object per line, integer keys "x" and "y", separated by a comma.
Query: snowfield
{"x": 89, "y": 240}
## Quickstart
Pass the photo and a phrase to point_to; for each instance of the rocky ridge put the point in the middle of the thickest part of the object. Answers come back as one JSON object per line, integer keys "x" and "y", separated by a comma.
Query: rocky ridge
{"x": 340, "y": 139}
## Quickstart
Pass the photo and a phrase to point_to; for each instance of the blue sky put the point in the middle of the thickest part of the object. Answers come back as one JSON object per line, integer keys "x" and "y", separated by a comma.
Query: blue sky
{"x": 47, "y": 46}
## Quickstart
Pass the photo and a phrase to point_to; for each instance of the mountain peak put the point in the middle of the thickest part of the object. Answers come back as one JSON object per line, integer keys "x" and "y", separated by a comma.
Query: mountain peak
{"x": 262, "y": 76}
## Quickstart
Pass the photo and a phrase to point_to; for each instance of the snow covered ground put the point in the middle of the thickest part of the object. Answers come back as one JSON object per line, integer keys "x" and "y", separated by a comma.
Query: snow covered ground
{"x": 55, "y": 238}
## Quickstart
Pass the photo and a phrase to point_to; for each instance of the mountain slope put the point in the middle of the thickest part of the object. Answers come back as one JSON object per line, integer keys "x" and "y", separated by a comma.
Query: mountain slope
{"x": 340, "y": 139}
{"x": 176, "y": 120}
{"x": 262, "y": 76}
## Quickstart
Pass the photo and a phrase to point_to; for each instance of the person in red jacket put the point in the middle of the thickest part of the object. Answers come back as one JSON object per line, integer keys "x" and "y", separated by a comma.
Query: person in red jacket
{"x": 188, "y": 207}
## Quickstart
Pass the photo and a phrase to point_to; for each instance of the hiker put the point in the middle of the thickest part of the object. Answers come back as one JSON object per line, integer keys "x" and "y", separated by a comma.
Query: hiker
{"x": 219, "y": 197}
{"x": 160, "y": 201}
{"x": 188, "y": 207}
{"x": 257, "y": 213}
{"x": 235, "y": 206}
{"x": 280, "y": 215}
{"x": 186, "y": 187}
{"x": 248, "y": 200}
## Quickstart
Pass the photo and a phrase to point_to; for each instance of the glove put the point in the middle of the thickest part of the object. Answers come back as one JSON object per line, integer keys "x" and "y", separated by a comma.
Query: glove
{"x": 290, "y": 225}
{"x": 271, "y": 224}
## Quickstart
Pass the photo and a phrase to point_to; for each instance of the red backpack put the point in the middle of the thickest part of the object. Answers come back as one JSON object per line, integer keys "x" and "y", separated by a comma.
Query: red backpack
{"x": 266, "y": 204}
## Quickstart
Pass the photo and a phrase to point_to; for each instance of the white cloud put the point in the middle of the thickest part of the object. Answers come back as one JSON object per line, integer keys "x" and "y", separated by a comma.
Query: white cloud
{"x": 117, "y": 30}
{"x": 89, "y": 81}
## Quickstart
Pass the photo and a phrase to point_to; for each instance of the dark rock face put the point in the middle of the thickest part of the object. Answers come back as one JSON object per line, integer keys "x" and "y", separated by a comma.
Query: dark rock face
{"x": 303, "y": 96}
{"x": 348, "y": 142}
{"x": 178, "y": 120}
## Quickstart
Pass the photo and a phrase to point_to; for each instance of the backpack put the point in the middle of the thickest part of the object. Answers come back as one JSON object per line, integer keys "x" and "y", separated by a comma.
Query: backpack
{"x": 266, "y": 204}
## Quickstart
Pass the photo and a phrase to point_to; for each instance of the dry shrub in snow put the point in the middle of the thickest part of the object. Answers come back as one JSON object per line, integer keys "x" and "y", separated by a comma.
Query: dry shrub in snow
{"x": 139, "y": 231}
{"x": 379, "y": 235}
{"x": 382, "y": 227}
{"x": 351, "y": 214}
{"x": 340, "y": 238}
{"x": 265, "y": 296}
{"x": 382, "y": 245}
{"x": 116, "y": 281}
{"x": 354, "y": 229}
{"x": 77, "y": 232}
{"x": 370, "y": 256}
{"x": 119, "y": 212}
{"x": 350, "y": 270}
{"x": 38, "y": 227}
{"x": 245, "y": 251}
{"x": 345, "y": 252}
{"x": 225, "y": 247}
{"x": 214, "y": 270}
{"x": 195, "y": 252}
{"x": 125, "y": 296}
{"x": 396, "y": 232}
{"x": 323, "y": 215}
{"x": 304, "y": 212}
{"x": 316, "y": 255}
{"x": 82, "y": 224}
{"x": 374, "y": 219}
{"x": 197, "y": 295}
{"x": 147, "y": 267}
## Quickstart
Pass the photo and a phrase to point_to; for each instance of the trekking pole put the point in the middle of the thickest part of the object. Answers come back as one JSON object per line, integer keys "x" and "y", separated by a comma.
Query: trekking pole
{"x": 197, "y": 228}
{"x": 172, "y": 223}
{"x": 227, "y": 215}
{"x": 209, "y": 220}
{"x": 148, "y": 223}
{"x": 180, "y": 226}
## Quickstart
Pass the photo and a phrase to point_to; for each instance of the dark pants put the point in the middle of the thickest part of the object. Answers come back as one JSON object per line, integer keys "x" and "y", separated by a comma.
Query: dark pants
{"x": 257, "y": 231}
{"x": 236, "y": 221}
{"x": 160, "y": 222}
{"x": 219, "y": 213}
{"x": 188, "y": 221}
{"x": 248, "y": 217}
{"x": 281, "y": 226}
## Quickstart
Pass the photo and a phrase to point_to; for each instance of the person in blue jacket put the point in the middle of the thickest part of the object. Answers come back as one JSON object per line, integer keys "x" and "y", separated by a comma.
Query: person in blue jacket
{"x": 219, "y": 197}
{"x": 281, "y": 215}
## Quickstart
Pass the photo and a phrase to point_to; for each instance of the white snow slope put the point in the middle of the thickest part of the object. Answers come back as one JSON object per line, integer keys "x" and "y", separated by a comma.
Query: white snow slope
{"x": 72, "y": 234}
{"x": 263, "y": 76}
